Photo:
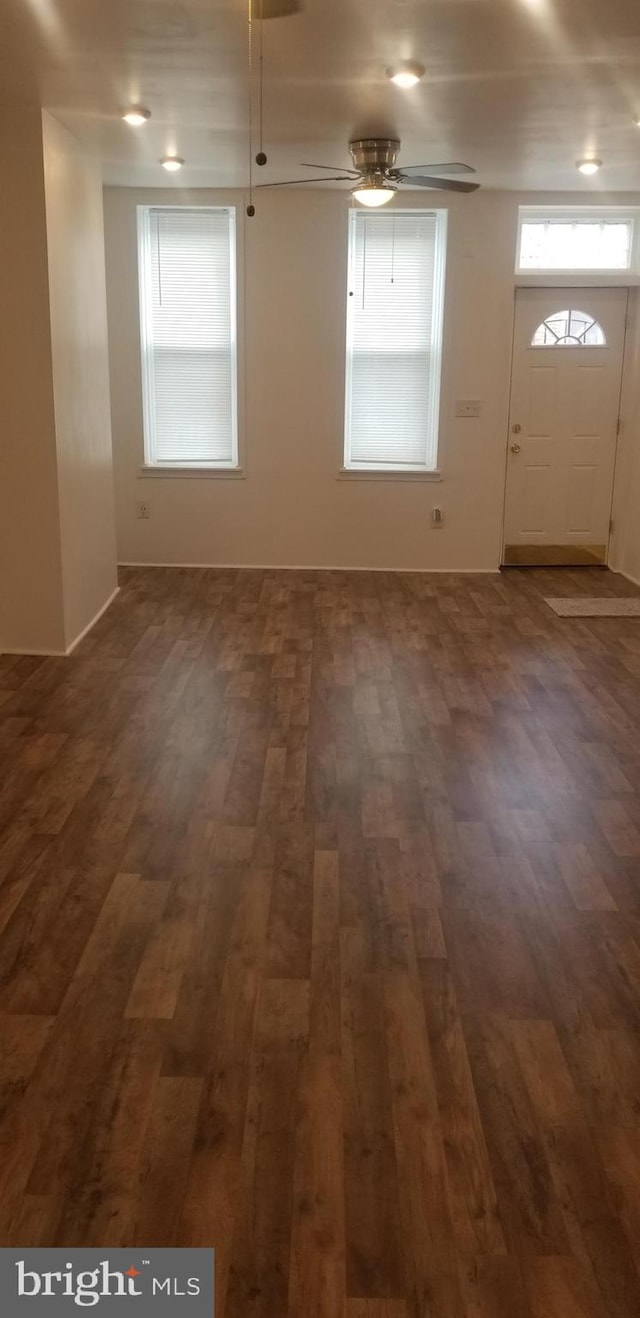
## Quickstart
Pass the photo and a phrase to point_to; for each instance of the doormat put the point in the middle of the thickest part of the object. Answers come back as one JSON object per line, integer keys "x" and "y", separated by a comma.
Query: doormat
{"x": 595, "y": 608}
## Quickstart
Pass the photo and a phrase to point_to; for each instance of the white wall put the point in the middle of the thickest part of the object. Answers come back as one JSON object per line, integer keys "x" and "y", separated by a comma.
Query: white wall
{"x": 77, "y": 293}
{"x": 30, "y": 563}
{"x": 293, "y": 509}
{"x": 57, "y": 529}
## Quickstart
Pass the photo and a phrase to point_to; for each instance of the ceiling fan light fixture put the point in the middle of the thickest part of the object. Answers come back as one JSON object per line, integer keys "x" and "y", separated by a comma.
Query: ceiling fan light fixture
{"x": 375, "y": 193}
{"x": 589, "y": 166}
{"x": 136, "y": 115}
{"x": 406, "y": 74}
{"x": 172, "y": 163}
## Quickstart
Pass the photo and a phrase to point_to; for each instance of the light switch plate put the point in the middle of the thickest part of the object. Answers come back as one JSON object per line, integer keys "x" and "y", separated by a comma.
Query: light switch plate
{"x": 468, "y": 407}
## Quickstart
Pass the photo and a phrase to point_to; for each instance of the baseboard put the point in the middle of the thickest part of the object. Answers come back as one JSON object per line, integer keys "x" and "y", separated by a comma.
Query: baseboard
{"x": 34, "y": 654}
{"x": 635, "y": 581}
{"x": 64, "y": 654}
{"x": 313, "y": 567}
{"x": 70, "y": 648}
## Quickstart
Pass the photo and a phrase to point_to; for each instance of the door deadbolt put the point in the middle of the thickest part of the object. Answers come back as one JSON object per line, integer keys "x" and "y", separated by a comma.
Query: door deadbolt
{"x": 516, "y": 429}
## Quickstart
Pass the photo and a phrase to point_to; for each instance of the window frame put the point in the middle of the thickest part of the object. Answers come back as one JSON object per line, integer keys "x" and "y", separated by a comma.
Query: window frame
{"x": 429, "y": 470}
{"x": 185, "y": 467}
{"x": 562, "y": 342}
{"x": 580, "y": 276}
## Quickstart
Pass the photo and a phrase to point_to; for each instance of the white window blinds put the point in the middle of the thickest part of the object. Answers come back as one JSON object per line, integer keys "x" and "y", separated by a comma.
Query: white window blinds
{"x": 394, "y": 333}
{"x": 188, "y": 328}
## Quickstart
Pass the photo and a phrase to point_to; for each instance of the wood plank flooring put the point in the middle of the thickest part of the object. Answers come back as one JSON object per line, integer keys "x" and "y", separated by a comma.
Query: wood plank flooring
{"x": 320, "y": 941}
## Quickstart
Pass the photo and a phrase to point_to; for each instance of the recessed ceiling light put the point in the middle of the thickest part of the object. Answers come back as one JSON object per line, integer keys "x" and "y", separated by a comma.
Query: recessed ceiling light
{"x": 406, "y": 74}
{"x": 172, "y": 163}
{"x": 136, "y": 115}
{"x": 637, "y": 121}
{"x": 588, "y": 166}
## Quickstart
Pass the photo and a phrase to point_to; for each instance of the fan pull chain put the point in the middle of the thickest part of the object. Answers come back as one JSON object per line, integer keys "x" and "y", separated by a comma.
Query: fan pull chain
{"x": 261, "y": 158}
{"x": 251, "y": 210}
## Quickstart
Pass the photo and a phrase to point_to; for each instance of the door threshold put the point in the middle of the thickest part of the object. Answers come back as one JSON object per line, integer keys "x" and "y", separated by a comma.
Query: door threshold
{"x": 555, "y": 556}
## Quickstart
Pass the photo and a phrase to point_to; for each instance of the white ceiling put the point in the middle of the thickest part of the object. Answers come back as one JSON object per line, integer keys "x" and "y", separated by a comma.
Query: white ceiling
{"x": 518, "y": 88}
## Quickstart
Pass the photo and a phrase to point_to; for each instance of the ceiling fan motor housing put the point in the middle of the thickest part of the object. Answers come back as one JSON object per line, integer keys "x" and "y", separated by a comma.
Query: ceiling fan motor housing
{"x": 374, "y": 154}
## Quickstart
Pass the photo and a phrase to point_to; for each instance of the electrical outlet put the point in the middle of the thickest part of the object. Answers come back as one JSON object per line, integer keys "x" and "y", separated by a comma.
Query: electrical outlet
{"x": 470, "y": 407}
{"x": 437, "y": 517}
{"x": 143, "y": 510}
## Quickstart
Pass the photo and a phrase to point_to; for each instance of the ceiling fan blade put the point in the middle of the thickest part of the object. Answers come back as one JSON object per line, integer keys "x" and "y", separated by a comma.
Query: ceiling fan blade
{"x": 290, "y": 182}
{"x": 454, "y": 167}
{"x": 443, "y": 184}
{"x": 345, "y": 168}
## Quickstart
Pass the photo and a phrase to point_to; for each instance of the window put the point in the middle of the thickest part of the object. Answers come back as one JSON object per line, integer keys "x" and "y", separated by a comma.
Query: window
{"x": 569, "y": 329}
{"x": 394, "y": 337}
{"x": 188, "y": 332}
{"x": 588, "y": 241}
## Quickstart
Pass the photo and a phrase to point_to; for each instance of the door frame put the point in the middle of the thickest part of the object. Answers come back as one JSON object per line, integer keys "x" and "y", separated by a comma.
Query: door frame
{"x": 568, "y": 288}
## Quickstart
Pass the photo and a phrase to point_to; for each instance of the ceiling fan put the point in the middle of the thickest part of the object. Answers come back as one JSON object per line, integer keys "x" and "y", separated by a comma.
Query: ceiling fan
{"x": 374, "y": 175}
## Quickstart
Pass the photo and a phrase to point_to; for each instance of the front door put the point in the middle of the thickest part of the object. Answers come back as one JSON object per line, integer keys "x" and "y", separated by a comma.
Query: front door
{"x": 565, "y": 396}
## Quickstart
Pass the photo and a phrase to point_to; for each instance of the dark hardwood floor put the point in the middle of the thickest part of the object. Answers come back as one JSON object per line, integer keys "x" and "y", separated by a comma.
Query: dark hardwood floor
{"x": 320, "y": 941}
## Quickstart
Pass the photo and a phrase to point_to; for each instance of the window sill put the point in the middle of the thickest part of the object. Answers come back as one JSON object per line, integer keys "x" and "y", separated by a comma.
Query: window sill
{"x": 191, "y": 473}
{"x": 378, "y": 474}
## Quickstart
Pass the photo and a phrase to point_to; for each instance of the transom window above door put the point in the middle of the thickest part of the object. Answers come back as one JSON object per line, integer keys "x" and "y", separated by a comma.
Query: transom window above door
{"x": 600, "y": 238}
{"x": 578, "y": 246}
{"x": 569, "y": 329}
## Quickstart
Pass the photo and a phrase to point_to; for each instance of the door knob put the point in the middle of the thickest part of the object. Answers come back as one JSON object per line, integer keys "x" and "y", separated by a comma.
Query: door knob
{"x": 515, "y": 448}
{"x": 516, "y": 429}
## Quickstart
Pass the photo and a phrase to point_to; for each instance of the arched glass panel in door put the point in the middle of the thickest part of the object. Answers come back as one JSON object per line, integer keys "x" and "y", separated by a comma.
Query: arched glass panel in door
{"x": 569, "y": 329}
